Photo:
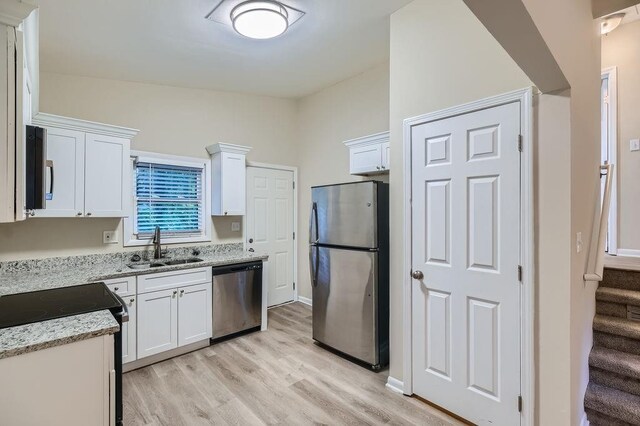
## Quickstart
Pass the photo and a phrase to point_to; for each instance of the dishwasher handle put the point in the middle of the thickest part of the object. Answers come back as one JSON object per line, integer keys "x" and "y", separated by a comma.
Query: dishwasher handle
{"x": 231, "y": 269}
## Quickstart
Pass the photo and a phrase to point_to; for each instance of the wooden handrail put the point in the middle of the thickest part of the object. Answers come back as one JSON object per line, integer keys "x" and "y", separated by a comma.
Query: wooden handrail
{"x": 595, "y": 271}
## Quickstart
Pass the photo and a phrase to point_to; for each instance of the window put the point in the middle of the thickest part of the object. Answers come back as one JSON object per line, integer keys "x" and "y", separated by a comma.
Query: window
{"x": 169, "y": 192}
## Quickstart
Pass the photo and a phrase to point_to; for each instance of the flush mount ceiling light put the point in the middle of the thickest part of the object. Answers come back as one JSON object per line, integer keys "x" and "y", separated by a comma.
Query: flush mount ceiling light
{"x": 611, "y": 22}
{"x": 257, "y": 19}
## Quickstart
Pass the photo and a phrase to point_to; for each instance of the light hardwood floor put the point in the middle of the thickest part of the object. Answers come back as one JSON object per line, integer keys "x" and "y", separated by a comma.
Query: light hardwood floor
{"x": 277, "y": 376}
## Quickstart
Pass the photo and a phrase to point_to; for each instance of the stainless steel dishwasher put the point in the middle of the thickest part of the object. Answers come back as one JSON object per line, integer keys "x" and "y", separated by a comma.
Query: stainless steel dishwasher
{"x": 237, "y": 298}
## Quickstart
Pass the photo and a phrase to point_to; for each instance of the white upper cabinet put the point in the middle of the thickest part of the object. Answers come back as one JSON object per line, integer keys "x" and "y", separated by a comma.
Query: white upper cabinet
{"x": 369, "y": 155}
{"x": 106, "y": 175}
{"x": 88, "y": 173}
{"x": 229, "y": 175}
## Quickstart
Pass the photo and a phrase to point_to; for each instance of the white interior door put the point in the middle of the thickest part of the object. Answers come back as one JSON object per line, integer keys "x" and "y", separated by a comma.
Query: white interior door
{"x": 465, "y": 241}
{"x": 270, "y": 227}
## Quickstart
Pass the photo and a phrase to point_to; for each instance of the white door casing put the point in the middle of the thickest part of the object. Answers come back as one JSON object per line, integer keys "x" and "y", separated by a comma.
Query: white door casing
{"x": 466, "y": 240}
{"x": 270, "y": 227}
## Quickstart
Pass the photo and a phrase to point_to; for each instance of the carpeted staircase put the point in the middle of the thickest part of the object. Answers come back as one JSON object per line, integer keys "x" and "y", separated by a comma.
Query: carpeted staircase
{"x": 613, "y": 393}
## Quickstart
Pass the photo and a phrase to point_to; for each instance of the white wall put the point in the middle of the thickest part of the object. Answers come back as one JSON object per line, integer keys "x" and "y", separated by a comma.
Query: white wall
{"x": 441, "y": 56}
{"x": 620, "y": 49}
{"x": 172, "y": 121}
{"x": 355, "y": 107}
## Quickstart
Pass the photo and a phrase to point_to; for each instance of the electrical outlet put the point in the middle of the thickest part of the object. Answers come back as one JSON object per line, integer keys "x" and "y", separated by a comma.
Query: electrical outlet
{"x": 235, "y": 226}
{"x": 109, "y": 237}
{"x": 634, "y": 145}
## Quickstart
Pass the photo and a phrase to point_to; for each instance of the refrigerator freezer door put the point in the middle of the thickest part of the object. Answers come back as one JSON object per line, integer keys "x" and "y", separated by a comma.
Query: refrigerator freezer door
{"x": 345, "y": 215}
{"x": 344, "y": 284}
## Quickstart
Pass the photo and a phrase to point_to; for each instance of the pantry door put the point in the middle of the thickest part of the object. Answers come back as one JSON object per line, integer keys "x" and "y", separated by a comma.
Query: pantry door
{"x": 465, "y": 264}
{"x": 270, "y": 227}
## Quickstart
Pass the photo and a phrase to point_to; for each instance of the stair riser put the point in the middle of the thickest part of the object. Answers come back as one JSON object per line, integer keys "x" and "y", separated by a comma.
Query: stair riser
{"x": 628, "y": 280}
{"x": 599, "y": 419}
{"x": 612, "y": 309}
{"x": 613, "y": 403}
{"x": 613, "y": 380}
{"x": 618, "y": 343}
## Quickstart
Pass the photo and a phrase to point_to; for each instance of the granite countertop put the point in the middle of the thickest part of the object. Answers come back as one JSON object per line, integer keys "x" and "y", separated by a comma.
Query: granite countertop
{"x": 26, "y": 276}
{"x": 61, "y": 331}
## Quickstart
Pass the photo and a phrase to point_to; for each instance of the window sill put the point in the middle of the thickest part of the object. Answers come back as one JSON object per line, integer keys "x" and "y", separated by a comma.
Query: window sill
{"x": 168, "y": 241}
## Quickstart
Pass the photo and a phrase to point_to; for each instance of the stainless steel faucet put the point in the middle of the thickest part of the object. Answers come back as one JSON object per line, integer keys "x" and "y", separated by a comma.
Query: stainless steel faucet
{"x": 157, "y": 248}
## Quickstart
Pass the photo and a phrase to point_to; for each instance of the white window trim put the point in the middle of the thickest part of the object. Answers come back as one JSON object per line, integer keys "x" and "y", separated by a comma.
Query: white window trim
{"x": 128, "y": 227}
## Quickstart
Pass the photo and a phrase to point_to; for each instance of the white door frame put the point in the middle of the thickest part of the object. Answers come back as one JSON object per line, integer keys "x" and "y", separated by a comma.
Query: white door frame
{"x": 295, "y": 216}
{"x": 527, "y": 300}
{"x": 611, "y": 74}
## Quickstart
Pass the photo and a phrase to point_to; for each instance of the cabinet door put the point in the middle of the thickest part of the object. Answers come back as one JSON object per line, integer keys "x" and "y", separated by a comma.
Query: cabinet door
{"x": 106, "y": 176}
{"x": 129, "y": 331}
{"x": 194, "y": 314}
{"x": 366, "y": 159}
{"x": 233, "y": 184}
{"x": 65, "y": 177}
{"x": 157, "y": 322}
{"x": 386, "y": 156}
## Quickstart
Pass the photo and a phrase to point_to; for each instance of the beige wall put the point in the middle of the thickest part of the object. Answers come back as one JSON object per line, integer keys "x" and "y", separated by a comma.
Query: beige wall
{"x": 172, "y": 121}
{"x": 441, "y": 56}
{"x": 355, "y": 107}
{"x": 620, "y": 49}
{"x": 572, "y": 35}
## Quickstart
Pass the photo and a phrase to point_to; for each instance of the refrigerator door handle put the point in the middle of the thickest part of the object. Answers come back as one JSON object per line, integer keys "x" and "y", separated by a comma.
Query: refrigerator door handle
{"x": 313, "y": 222}
{"x": 314, "y": 258}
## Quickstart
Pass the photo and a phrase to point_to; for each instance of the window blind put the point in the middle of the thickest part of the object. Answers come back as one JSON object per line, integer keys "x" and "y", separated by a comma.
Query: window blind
{"x": 170, "y": 197}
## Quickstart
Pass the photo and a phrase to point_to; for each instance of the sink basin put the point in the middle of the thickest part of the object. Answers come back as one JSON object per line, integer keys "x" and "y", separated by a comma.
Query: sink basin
{"x": 181, "y": 261}
{"x": 160, "y": 263}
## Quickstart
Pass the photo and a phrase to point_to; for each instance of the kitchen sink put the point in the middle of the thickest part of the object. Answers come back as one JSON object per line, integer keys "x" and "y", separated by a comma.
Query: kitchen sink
{"x": 160, "y": 263}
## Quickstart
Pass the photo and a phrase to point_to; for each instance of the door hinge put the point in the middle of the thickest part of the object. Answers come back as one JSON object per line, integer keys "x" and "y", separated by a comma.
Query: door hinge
{"x": 294, "y": 185}
{"x": 294, "y": 286}
{"x": 519, "y": 273}
{"x": 520, "y": 143}
{"x": 520, "y": 403}
{"x": 294, "y": 235}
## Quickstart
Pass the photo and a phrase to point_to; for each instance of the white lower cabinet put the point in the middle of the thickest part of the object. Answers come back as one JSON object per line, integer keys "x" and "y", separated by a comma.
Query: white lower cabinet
{"x": 194, "y": 314}
{"x": 157, "y": 322}
{"x": 173, "y": 317}
{"x": 129, "y": 334}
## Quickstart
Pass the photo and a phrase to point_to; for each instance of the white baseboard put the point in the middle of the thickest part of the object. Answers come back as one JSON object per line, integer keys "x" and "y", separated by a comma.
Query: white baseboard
{"x": 584, "y": 421}
{"x": 304, "y": 300}
{"x": 395, "y": 385}
{"x": 628, "y": 253}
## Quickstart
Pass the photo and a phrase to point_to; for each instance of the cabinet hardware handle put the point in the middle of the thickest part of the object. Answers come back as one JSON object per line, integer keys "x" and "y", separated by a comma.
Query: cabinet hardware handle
{"x": 225, "y": 213}
{"x": 89, "y": 214}
{"x": 181, "y": 293}
{"x": 116, "y": 288}
{"x": 175, "y": 292}
{"x": 79, "y": 214}
{"x": 131, "y": 301}
{"x": 378, "y": 167}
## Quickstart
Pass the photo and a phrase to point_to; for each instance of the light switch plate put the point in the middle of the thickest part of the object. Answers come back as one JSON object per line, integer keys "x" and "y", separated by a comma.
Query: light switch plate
{"x": 634, "y": 145}
{"x": 109, "y": 237}
{"x": 235, "y": 226}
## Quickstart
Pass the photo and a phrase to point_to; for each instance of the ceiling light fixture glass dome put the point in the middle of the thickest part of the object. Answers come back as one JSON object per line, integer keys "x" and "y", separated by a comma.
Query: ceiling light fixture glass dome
{"x": 611, "y": 22}
{"x": 260, "y": 19}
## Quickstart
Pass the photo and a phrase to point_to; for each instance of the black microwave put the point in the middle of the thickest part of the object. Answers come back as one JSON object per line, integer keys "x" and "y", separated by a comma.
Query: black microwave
{"x": 36, "y": 168}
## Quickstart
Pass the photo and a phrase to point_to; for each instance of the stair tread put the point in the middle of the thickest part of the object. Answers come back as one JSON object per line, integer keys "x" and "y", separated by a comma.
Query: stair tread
{"x": 615, "y": 361}
{"x": 617, "y": 326}
{"x": 618, "y": 295}
{"x": 613, "y": 402}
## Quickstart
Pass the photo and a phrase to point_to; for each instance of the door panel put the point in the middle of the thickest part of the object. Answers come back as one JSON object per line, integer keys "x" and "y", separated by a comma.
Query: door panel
{"x": 106, "y": 176}
{"x": 346, "y": 215}
{"x": 157, "y": 322}
{"x": 270, "y": 227}
{"x": 466, "y": 309}
{"x": 65, "y": 148}
{"x": 194, "y": 314}
{"x": 366, "y": 159}
{"x": 344, "y": 286}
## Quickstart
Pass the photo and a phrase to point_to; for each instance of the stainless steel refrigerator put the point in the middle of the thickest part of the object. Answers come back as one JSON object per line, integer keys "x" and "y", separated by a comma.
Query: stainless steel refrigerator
{"x": 349, "y": 265}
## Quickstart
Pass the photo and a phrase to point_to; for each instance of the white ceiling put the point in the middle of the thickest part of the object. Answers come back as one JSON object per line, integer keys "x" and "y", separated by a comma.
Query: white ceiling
{"x": 170, "y": 42}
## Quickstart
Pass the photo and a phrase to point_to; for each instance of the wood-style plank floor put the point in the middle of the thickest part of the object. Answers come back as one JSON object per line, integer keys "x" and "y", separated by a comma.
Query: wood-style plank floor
{"x": 279, "y": 376}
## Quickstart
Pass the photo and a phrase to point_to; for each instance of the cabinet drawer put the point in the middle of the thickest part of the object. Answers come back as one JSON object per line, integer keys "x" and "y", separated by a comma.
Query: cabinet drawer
{"x": 173, "y": 279}
{"x": 122, "y": 286}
